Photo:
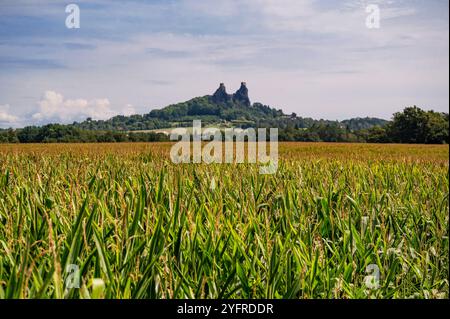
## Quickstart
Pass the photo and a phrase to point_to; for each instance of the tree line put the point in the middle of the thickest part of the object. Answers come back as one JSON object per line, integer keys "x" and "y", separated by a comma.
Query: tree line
{"x": 57, "y": 133}
{"x": 412, "y": 125}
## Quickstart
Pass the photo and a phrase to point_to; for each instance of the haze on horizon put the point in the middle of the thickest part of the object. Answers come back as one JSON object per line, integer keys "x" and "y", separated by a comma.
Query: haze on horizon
{"x": 316, "y": 58}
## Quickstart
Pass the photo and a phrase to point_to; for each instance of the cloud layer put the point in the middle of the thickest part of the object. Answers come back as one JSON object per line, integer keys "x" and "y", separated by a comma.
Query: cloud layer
{"x": 312, "y": 57}
{"x": 7, "y": 119}
{"x": 53, "y": 107}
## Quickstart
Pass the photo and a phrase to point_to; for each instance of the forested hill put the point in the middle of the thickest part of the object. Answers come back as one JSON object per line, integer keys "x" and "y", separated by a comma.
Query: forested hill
{"x": 221, "y": 109}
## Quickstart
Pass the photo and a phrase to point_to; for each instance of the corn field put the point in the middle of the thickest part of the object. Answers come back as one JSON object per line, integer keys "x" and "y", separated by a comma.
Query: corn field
{"x": 123, "y": 221}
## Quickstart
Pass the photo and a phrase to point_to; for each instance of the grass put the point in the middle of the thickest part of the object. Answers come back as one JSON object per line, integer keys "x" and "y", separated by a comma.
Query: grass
{"x": 137, "y": 226}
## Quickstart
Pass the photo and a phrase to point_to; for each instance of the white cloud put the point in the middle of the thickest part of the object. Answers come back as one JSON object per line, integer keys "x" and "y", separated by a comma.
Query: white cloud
{"x": 7, "y": 119}
{"x": 214, "y": 8}
{"x": 54, "y": 107}
{"x": 128, "y": 110}
{"x": 348, "y": 18}
{"x": 289, "y": 51}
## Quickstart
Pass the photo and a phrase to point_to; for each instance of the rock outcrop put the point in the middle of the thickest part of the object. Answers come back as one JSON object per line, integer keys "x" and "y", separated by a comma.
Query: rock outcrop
{"x": 240, "y": 97}
{"x": 221, "y": 95}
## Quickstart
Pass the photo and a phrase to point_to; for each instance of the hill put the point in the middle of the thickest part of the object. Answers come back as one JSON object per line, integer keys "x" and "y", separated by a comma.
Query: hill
{"x": 222, "y": 109}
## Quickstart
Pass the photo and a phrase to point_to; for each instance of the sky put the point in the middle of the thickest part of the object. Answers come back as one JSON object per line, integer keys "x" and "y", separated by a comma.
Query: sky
{"x": 316, "y": 58}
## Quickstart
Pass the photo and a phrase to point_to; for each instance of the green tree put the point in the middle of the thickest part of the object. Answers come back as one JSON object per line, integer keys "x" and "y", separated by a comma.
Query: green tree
{"x": 415, "y": 125}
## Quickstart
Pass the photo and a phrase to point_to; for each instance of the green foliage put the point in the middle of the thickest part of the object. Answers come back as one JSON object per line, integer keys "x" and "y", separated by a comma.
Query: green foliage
{"x": 56, "y": 133}
{"x": 8, "y": 136}
{"x": 359, "y": 123}
{"x": 415, "y": 125}
{"x": 138, "y": 226}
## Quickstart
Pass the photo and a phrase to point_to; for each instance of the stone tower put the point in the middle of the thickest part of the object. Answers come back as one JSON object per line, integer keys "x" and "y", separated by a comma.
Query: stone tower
{"x": 241, "y": 95}
{"x": 221, "y": 95}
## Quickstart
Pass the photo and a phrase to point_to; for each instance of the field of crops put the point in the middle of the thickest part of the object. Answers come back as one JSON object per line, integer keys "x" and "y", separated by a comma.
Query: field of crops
{"x": 134, "y": 225}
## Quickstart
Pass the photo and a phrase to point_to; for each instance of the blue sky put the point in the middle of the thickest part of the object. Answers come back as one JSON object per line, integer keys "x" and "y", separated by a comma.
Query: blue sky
{"x": 313, "y": 57}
